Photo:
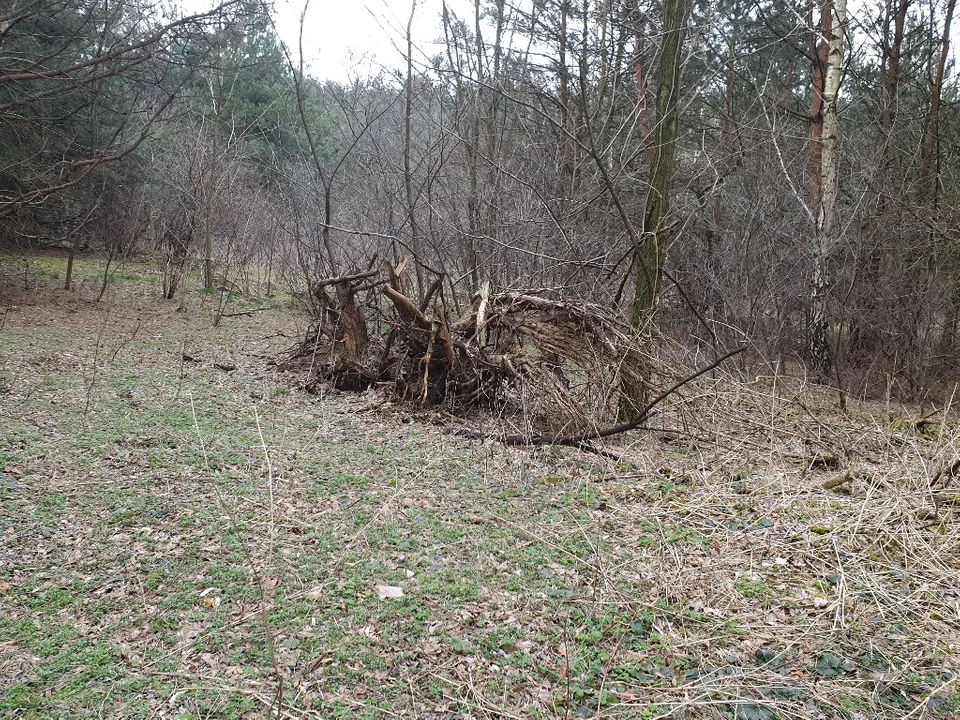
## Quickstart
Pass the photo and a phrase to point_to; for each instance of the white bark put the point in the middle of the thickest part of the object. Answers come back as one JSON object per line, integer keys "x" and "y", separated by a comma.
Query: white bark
{"x": 826, "y": 213}
{"x": 831, "y": 125}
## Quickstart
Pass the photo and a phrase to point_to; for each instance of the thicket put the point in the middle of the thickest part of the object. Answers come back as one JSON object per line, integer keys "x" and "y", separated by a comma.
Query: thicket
{"x": 524, "y": 155}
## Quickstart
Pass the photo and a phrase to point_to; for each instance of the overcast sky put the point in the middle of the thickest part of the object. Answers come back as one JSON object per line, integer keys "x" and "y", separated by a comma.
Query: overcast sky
{"x": 343, "y": 38}
{"x": 346, "y": 38}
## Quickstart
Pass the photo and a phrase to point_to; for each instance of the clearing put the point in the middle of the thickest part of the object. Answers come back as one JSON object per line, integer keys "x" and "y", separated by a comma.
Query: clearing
{"x": 188, "y": 534}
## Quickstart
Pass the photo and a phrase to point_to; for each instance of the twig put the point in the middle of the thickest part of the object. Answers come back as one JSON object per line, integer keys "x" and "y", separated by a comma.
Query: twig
{"x": 93, "y": 376}
{"x": 183, "y": 358}
{"x": 130, "y": 339}
{"x": 245, "y": 312}
{"x": 259, "y": 579}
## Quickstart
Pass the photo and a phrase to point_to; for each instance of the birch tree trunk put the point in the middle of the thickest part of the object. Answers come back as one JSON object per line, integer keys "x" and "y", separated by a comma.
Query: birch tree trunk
{"x": 826, "y": 229}
{"x": 818, "y": 50}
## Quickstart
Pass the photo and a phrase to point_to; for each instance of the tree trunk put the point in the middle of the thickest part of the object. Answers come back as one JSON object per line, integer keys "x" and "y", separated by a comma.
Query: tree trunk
{"x": 864, "y": 337}
{"x": 818, "y": 50}
{"x": 74, "y": 244}
{"x": 407, "y": 141}
{"x": 216, "y": 94}
{"x": 567, "y": 176}
{"x": 648, "y": 253}
{"x": 890, "y": 52}
{"x": 713, "y": 297}
{"x": 833, "y": 30}
{"x": 640, "y": 79}
{"x": 929, "y": 173}
{"x": 930, "y": 143}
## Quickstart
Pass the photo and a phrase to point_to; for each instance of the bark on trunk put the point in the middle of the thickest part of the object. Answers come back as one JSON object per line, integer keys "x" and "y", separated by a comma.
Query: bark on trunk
{"x": 649, "y": 251}
{"x": 407, "y": 142}
{"x": 930, "y": 144}
{"x": 834, "y": 30}
{"x": 864, "y": 338}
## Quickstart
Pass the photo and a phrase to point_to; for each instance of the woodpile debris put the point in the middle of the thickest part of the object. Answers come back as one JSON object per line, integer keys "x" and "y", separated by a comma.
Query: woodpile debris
{"x": 559, "y": 367}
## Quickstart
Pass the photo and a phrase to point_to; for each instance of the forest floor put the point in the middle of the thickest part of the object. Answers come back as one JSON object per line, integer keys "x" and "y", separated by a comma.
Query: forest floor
{"x": 185, "y": 533}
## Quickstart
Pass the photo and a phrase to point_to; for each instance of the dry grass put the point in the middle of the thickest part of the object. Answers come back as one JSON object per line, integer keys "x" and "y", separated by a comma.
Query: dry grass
{"x": 180, "y": 541}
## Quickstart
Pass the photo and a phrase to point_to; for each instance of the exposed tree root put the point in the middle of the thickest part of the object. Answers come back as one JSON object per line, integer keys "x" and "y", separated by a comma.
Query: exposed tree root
{"x": 563, "y": 369}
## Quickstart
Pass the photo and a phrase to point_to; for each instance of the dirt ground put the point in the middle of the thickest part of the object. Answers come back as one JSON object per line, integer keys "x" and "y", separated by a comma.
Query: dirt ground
{"x": 186, "y": 533}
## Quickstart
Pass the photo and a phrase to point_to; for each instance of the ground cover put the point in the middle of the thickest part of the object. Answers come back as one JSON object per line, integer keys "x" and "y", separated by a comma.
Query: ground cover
{"x": 185, "y": 533}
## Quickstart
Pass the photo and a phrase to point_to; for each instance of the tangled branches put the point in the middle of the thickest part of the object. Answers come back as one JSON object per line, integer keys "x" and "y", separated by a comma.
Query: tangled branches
{"x": 562, "y": 367}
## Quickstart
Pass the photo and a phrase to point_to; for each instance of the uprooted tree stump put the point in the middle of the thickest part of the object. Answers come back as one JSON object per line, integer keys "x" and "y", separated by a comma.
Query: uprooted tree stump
{"x": 559, "y": 366}
{"x": 337, "y": 342}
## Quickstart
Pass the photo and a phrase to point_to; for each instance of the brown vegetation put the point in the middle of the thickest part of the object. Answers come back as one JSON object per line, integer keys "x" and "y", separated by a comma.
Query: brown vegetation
{"x": 559, "y": 365}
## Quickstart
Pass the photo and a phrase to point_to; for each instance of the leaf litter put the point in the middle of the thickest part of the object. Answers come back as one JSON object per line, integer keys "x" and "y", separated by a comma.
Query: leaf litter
{"x": 355, "y": 562}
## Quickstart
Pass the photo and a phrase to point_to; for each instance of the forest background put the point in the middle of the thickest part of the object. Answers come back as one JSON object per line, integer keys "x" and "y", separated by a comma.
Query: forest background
{"x": 771, "y": 173}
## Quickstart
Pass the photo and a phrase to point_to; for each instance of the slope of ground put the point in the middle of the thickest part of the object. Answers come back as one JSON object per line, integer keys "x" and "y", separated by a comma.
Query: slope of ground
{"x": 186, "y": 534}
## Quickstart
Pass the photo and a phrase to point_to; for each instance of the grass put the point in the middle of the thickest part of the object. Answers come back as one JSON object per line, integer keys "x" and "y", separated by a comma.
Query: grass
{"x": 188, "y": 542}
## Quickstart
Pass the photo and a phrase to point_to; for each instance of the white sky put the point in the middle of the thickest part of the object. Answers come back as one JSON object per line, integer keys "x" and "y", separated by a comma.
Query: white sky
{"x": 346, "y": 38}
{"x": 343, "y": 39}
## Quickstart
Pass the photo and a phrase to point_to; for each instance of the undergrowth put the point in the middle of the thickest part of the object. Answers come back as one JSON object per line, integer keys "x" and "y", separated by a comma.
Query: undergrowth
{"x": 187, "y": 541}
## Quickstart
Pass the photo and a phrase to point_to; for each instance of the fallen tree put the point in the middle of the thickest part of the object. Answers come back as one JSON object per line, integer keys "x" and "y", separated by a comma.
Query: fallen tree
{"x": 558, "y": 370}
